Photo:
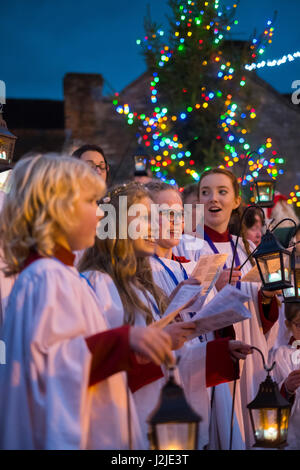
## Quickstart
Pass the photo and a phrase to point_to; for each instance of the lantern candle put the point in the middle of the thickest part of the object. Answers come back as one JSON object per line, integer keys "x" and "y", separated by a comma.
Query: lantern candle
{"x": 173, "y": 424}
{"x": 270, "y": 433}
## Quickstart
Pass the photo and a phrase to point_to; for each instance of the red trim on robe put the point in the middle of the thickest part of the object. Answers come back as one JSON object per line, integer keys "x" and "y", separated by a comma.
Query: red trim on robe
{"x": 61, "y": 253}
{"x": 143, "y": 374}
{"x": 227, "y": 332}
{"x": 268, "y": 313}
{"x": 180, "y": 259}
{"x": 112, "y": 354}
{"x": 64, "y": 255}
{"x": 220, "y": 367}
{"x": 217, "y": 237}
{"x": 33, "y": 256}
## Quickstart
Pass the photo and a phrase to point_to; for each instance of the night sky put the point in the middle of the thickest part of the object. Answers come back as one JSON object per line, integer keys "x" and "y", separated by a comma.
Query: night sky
{"x": 41, "y": 40}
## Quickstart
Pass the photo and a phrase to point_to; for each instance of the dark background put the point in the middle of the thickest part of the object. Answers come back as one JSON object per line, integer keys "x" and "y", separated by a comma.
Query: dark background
{"x": 41, "y": 40}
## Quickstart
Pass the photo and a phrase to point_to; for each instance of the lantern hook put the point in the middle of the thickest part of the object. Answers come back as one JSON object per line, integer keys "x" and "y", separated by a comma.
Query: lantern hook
{"x": 267, "y": 369}
{"x": 283, "y": 220}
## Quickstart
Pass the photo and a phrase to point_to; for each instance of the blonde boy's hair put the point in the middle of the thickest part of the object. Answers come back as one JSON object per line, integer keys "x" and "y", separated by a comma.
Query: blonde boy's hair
{"x": 40, "y": 203}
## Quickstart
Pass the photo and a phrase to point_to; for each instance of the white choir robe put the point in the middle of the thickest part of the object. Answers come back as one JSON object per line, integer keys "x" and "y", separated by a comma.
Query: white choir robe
{"x": 216, "y": 428}
{"x": 146, "y": 397}
{"x": 284, "y": 333}
{"x": 285, "y": 364}
{"x": 250, "y": 331}
{"x": 189, "y": 247}
{"x": 46, "y": 400}
{"x": 2, "y": 197}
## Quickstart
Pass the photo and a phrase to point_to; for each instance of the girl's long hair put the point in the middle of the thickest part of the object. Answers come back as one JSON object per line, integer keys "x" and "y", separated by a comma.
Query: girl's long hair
{"x": 116, "y": 257}
{"x": 41, "y": 201}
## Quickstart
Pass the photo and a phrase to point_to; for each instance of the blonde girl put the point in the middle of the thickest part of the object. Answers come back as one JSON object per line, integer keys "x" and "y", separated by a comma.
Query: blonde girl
{"x": 61, "y": 387}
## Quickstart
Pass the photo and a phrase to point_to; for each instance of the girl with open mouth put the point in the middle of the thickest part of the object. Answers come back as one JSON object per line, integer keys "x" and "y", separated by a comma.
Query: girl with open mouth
{"x": 219, "y": 192}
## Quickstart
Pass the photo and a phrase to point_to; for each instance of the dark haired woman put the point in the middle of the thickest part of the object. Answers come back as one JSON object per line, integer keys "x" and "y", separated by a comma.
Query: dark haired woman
{"x": 94, "y": 156}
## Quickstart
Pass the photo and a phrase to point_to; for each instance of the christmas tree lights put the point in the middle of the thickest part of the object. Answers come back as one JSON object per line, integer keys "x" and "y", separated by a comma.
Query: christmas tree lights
{"x": 173, "y": 125}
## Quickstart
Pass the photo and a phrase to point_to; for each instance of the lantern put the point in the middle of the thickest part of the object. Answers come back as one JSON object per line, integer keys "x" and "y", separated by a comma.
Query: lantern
{"x": 140, "y": 162}
{"x": 264, "y": 189}
{"x": 7, "y": 145}
{"x": 269, "y": 413}
{"x": 273, "y": 262}
{"x": 173, "y": 424}
{"x": 292, "y": 294}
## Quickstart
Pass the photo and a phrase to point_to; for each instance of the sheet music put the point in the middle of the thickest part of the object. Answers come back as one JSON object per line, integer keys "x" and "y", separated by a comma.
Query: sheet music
{"x": 208, "y": 269}
{"x": 226, "y": 308}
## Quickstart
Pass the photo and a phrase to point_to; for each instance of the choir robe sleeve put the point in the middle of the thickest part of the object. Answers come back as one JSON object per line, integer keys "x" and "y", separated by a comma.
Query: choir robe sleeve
{"x": 220, "y": 367}
{"x": 268, "y": 313}
{"x": 139, "y": 375}
{"x": 112, "y": 354}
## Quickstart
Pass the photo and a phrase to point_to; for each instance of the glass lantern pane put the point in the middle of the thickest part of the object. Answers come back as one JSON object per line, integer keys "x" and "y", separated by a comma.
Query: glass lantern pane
{"x": 176, "y": 436}
{"x": 140, "y": 163}
{"x": 3, "y": 155}
{"x": 265, "y": 192}
{"x": 265, "y": 423}
{"x": 270, "y": 267}
{"x": 287, "y": 267}
{"x": 292, "y": 292}
{"x": 284, "y": 424}
{"x": 297, "y": 281}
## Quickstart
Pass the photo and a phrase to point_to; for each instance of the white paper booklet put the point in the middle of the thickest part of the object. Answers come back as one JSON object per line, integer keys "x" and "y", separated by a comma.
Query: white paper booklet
{"x": 226, "y": 308}
{"x": 208, "y": 269}
{"x": 185, "y": 297}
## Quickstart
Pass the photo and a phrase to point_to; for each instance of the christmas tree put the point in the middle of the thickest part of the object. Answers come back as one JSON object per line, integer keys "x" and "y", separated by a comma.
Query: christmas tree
{"x": 201, "y": 111}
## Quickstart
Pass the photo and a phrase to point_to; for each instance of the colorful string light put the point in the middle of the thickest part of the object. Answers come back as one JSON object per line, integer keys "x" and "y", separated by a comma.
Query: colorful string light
{"x": 274, "y": 62}
{"x": 294, "y": 196}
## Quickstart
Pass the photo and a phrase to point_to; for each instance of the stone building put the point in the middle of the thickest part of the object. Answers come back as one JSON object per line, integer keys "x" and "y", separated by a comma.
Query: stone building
{"x": 88, "y": 116}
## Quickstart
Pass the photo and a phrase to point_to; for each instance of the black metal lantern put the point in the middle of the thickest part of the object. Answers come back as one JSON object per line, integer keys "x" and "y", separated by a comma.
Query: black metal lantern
{"x": 264, "y": 189}
{"x": 140, "y": 161}
{"x": 173, "y": 424}
{"x": 7, "y": 145}
{"x": 292, "y": 294}
{"x": 274, "y": 263}
{"x": 269, "y": 414}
